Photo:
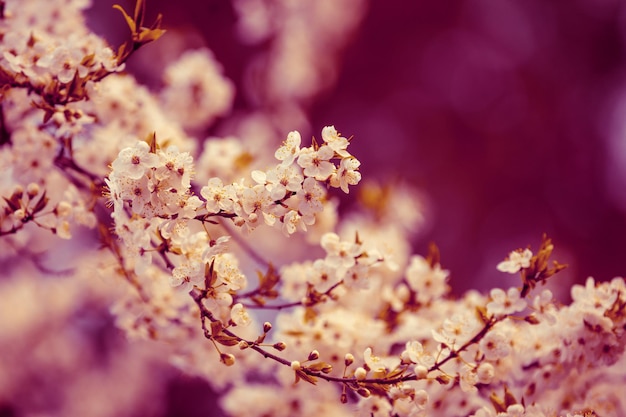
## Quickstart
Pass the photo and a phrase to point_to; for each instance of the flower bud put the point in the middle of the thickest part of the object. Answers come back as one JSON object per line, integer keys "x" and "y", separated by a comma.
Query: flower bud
{"x": 363, "y": 392}
{"x": 349, "y": 359}
{"x": 267, "y": 326}
{"x": 327, "y": 369}
{"x": 295, "y": 365}
{"x": 18, "y": 192}
{"x": 32, "y": 189}
{"x": 421, "y": 372}
{"x": 227, "y": 359}
{"x": 360, "y": 373}
{"x": 314, "y": 355}
{"x": 280, "y": 346}
{"x": 243, "y": 345}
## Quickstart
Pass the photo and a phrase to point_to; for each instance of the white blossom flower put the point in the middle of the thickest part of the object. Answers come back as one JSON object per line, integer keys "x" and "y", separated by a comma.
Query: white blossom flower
{"x": 428, "y": 283}
{"x": 340, "y": 254}
{"x": 240, "y": 315}
{"x": 504, "y": 303}
{"x": 379, "y": 365}
{"x": 457, "y": 330}
{"x": 176, "y": 164}
{"x": 495, "y": 345}
{"x": 516, "y": 260}
{"x": 227, "y": 268}
{"x": 133, "y": 162}
{"x": 317, "y": 163}
{"x": 256, "y": 199}
{"x": 414, "y": 352}
{"x": 217, "y": 196}
{"x": 217, "y": 300}
{"x": 335, "y": 141}
{"x": 195, "y": 91}
{"x": 310, "y": 197}
{"x": 290, "y": 149}
{"x": 468, "y": 379}
{"x": 187, "y": 275}
{"x": 283, "y": 179}
{"x": 374, "y": 406}
{"x": 64, "y": 63}
{"x": 346, "y": 175}
{"x": 216, "y": 247}
{"x": 293, "y": 221}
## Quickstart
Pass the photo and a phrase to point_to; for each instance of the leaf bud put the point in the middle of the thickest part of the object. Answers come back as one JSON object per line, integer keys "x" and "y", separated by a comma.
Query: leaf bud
{"x": 227, "y": 359}
{"x": 279, "y": 346}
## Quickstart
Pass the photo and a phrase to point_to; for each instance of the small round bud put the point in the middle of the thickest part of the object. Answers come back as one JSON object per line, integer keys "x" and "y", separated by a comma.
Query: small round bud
{"x": 421, "y": 372}
{"x": 243, "y": 345}
{"x": 344, "y": 398}
{"x": 364, "y": 392}
{"x": 360, "y": 373}
{"x": 280, "y": 346}
{"x": 227, "y": 359}
{"x": 32, "y": 189}
{"x": 314, "y": 355}
{"x": 485, "y": 373}
{"x": 18, "y": 192}
{"x": 267, "y": 326}
{"x": 348, "y": 359}
{"x": 295, "y": 365}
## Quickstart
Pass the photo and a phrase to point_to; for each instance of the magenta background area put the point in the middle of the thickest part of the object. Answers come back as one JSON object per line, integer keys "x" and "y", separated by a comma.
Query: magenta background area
{"x": 499, "y": 112}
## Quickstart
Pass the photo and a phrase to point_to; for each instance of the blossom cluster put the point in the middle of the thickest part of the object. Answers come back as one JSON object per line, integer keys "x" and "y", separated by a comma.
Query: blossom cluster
{"x": 231, "y": 260}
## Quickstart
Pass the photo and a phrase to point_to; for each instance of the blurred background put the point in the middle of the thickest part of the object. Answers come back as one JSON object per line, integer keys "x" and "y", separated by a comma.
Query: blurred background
{"x": 508, "y": 116}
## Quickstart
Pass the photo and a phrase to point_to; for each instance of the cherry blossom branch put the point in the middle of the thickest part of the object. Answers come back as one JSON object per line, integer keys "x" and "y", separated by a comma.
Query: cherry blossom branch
{"x": 198, "y": 295}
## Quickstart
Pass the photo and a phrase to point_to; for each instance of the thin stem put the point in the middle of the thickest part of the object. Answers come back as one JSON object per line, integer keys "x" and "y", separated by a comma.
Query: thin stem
{"x": 272, "y": 307}
{"x": 312, "y": 298}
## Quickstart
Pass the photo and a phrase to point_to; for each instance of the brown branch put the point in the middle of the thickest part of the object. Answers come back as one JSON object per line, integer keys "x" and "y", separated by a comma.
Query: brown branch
{"x": 312, "y": 298}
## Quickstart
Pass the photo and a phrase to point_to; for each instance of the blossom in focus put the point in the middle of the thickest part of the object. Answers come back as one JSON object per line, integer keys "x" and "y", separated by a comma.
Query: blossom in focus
{"x": 516, "y": 260}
